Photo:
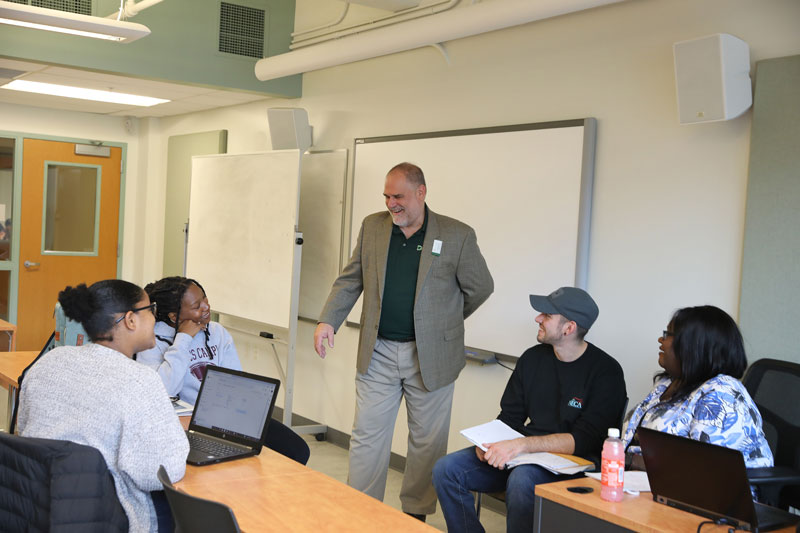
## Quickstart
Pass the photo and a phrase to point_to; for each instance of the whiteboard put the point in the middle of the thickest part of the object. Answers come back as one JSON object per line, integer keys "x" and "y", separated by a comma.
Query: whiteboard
{"x": 242, "y": 218}
{"x": 322, "y": 187}
{"x": 525, "y": 189}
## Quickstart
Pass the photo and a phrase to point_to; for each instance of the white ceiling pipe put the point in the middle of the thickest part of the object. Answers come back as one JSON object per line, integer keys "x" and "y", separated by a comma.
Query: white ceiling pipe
{"x": 132, "y": 8}
{"x": 369, "y": 25}
{"x": 417, "y": 33}
{"x": 295, "y": 34}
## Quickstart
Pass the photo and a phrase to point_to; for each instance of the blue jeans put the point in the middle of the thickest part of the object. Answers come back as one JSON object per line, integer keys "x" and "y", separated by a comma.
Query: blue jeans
{"x": 458, "y": 473}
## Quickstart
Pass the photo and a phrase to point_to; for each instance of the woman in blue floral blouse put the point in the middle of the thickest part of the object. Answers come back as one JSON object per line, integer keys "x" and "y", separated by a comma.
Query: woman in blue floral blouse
{"x": 699, "y": 395}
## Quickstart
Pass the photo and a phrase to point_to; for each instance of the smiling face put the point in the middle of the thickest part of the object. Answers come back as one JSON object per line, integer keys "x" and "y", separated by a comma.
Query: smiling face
{"x": 404, "y": 200}
{"x": 666, "y": 355}
{"x": 194, "y": 306}
{"x": 551, "y": 328}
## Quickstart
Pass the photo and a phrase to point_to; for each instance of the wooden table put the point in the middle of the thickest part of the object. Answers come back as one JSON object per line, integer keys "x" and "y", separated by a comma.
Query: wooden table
{"x": 11, "y": 366}
{"x": 271, "y": 492}
{"x": 11, "y": 331}
{"x": 560, "y": 510}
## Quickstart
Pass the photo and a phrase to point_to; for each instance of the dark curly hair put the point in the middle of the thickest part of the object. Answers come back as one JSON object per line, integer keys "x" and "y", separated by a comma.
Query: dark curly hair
{"x": 168, "y": 294}
{"x": 707, "y": 342}
{"x": 95, "y": 306}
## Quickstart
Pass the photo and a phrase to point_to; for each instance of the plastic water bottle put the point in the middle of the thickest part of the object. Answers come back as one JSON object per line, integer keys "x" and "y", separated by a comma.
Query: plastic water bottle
{"x": 613, "y": 467}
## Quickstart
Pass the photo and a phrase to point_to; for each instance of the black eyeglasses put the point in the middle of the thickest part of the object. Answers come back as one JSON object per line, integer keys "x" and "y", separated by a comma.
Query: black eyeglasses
{"x": 153, "y": 307}
{"x": 665, "y": 334}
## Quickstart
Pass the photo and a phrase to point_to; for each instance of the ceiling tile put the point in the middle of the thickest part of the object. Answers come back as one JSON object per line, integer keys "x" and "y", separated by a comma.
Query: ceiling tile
{"x": 183, "y": 98}
{"x": 21, "y": 65}
{"x": 57, "y": 102}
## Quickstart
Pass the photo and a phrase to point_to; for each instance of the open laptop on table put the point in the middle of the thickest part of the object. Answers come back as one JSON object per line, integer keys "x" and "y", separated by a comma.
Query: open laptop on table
{"x": 706, "y": 479}
{"x": 231, "y": 415}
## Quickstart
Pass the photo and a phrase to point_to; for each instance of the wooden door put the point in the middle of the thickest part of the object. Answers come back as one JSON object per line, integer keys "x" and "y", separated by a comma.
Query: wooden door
{"x": 69, "y": 228}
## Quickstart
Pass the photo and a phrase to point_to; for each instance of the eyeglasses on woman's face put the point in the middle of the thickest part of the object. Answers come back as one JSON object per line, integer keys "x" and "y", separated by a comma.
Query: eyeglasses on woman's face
{"x": 153, "y": 307}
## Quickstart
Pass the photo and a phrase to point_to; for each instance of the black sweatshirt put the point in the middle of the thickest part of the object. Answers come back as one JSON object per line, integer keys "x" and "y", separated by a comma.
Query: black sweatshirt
{"x": 584, "y": 397}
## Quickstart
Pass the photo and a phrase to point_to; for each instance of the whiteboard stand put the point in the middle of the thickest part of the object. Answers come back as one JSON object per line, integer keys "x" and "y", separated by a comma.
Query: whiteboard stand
{"x": 288, "y": 391}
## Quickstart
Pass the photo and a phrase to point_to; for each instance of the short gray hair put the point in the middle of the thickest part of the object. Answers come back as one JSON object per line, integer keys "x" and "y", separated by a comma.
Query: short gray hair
{"x": 411, "y": 171}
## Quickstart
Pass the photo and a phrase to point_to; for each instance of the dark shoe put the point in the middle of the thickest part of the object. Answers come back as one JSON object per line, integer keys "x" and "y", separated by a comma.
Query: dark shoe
{"x": 420, "y": 517}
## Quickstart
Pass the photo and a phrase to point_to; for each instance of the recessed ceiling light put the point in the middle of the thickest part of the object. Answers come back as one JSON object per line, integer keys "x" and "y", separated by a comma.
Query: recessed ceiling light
{"x": 83, "y": 94}
{"x": 41, "y": 18}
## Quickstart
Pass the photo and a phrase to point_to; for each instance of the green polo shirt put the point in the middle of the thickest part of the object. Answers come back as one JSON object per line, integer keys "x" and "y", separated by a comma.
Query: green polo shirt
{"x": 400, "y": 284}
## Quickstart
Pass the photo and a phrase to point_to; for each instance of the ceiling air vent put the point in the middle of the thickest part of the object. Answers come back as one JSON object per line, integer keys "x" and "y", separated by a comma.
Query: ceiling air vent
{"x": 81, "y": 7}
{"x": 241, "y": 30}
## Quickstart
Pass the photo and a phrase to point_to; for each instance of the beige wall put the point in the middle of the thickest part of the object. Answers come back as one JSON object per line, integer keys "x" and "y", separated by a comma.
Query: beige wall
{"x": 669, "y": 200}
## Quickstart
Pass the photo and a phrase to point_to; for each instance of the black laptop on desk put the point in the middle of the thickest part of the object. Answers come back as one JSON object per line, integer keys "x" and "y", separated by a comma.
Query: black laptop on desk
{"x": 231, "y": 415}
{"x": 706, "y": 479}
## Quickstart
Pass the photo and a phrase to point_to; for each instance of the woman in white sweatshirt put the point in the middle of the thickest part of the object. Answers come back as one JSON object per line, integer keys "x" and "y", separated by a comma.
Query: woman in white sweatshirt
{"x": 187, "y": 341}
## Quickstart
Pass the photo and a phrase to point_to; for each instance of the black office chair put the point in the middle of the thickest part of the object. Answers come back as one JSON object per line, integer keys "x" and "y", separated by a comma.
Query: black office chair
{"x": 502, "y": 495}
{"x": 56, "y": 485}
{"x": 775, "y": 388}
{"x": 193, "y": 514}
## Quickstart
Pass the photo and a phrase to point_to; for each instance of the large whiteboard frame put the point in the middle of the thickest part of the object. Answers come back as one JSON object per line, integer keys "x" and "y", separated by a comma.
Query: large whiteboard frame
{"x": 526, "y": 189}
{"x": 322, "y": 190}
{"x": 242, "y": 219}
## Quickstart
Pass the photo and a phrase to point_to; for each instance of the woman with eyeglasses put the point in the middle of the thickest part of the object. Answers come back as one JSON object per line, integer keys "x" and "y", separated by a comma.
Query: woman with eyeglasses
{"x": 187, "y": 341}
{"x": 98, "y": 396}
{"x": 699, "y": 393}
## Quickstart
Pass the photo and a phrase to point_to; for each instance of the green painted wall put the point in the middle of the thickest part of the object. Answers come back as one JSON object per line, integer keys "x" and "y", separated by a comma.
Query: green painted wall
{"x": 182, "y": 46}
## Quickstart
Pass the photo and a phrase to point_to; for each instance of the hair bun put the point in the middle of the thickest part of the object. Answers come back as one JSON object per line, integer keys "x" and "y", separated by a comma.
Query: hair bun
{"x": 77, "y": 302}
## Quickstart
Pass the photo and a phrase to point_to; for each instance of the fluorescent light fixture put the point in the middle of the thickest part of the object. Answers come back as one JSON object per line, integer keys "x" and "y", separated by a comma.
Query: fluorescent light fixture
{"x": 83, "y": 94}
{"x": 41, "y": 18}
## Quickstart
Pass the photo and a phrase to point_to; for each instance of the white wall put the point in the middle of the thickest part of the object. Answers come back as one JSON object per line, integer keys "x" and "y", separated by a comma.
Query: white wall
{"x": 669, "y": 200}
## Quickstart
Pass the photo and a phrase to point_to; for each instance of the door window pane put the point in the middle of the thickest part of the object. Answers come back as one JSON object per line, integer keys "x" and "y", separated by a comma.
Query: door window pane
{"x": 6, "y": 195}
{"x": 70, "y": 219}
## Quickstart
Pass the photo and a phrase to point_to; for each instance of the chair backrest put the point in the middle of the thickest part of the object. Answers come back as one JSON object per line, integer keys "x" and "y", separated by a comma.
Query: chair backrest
{"x": 56, "y": 485}
{"x": 68, "y": 332}
{"x": 196, "y": 514}
{"x": 623, "y": 414}
{"x": 774, "y": 386}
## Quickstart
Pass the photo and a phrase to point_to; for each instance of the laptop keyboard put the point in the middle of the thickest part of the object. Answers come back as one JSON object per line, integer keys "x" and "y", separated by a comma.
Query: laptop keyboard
{"x": 212, "y": 447}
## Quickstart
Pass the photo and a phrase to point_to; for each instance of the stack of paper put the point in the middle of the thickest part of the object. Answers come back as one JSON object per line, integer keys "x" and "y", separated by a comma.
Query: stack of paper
{"x": 182, "y": 408}
{"x": 496, "y": 430}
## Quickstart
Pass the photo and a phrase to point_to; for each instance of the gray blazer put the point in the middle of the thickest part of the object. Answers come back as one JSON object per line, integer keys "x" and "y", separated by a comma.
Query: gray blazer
{"x": 450, "y": 287}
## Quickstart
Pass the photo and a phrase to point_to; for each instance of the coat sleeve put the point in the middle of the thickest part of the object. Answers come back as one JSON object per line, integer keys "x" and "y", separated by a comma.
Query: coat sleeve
{"x": 513, "y": 406}
{"x": 151, "y": 436}
{"x": 473, "y": 275}
{"x": 346, "y": 289}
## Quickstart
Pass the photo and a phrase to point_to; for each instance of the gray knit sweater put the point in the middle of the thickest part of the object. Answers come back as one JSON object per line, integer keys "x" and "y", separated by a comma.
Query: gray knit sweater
{"x": 97, "y": 396}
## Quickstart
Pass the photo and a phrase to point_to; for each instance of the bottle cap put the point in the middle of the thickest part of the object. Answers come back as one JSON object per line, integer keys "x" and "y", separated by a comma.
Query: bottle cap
{"x": 613, "y": 433}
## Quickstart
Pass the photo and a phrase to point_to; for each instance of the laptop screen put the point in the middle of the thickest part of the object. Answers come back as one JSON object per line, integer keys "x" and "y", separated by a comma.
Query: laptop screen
{"x": 696, "y": 476}
{"x": 234, "y": 403}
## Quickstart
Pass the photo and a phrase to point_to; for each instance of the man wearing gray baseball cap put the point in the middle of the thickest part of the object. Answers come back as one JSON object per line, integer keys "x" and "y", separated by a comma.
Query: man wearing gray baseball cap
{"x": 563, "y": 395}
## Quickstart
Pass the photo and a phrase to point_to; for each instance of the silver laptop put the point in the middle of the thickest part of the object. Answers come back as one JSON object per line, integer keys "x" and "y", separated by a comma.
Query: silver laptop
{"x": 706, "y": 479}
{"x": 231, "y": 415}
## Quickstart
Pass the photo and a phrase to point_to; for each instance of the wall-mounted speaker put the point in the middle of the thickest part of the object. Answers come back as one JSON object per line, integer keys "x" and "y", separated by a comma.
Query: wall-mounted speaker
{"x": 712, "y": 75}
{"x": 289, "y": 128}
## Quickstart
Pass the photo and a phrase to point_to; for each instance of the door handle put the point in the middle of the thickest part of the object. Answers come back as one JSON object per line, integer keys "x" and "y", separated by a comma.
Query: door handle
{"x": 29, "y": 264}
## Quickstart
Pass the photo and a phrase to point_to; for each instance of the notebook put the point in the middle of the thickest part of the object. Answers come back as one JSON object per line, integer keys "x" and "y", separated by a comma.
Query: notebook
{"x": 706, "y": 479}
{"x": 231, "y": 415}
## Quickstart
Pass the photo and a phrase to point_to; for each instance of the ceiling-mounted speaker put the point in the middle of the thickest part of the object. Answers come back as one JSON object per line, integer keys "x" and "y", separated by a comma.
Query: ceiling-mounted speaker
{"x": 712, "y": 75}
{"x": 289, "y": 128}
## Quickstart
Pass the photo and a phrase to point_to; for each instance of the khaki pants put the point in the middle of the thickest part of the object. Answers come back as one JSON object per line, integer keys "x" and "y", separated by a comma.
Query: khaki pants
{"x": 393, "y": 374}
